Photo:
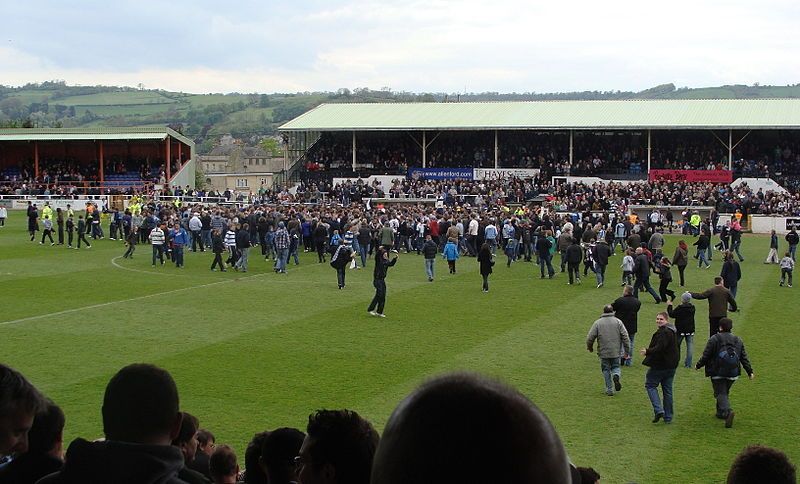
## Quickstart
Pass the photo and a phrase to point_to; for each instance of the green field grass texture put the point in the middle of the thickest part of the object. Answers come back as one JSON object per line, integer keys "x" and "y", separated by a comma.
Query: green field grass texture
{"x": 259, "y": 350}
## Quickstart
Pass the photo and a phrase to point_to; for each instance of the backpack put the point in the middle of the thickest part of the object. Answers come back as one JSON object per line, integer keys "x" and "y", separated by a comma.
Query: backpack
{"x": 727, "y": 360}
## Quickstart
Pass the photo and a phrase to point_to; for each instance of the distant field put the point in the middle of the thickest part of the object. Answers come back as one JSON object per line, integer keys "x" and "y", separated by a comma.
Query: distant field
{"x": 115, "y": 98}
{"x": 258, "y": 350}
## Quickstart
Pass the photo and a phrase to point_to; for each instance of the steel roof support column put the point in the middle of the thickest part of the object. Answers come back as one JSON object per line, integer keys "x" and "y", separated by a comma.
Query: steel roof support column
{"x": 649, "y": 150}
{"x": 36, "y": 159}
{"x": 496, "y": 165}
{"x": 424, "y": 149}
{"x": 570, "y": 148}
{"x": 167, "y": 143}
{"x": 730, "y": 149}
{"x": 102, "y": 174}
{"x": 354, "y": 151}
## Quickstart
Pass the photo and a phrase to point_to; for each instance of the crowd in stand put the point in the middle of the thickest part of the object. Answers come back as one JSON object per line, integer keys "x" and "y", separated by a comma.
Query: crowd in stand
{"x": 564, "y": 197}
{"x": 456, "y": 428}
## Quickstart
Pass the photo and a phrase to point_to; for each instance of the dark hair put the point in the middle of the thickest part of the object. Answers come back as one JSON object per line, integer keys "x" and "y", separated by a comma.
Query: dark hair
{"x": 254, "y": 474}
{"x": 588, "y": 475}
{"x": 222, "y": 462}
{"x": 717, "y": 280}
{"x": 204, "y": 437}
{"x": 17, "y": 393}
{"x": 47, "y": 429}
{"x": 484, "y": 430}
{"x": 140, "y": 402}
{"x": 281, "y": 446}
{"x": 608, "y": 309}
{"x": 726, "y": 324}
{"x": 189, "y": 426}
{"x": 345, "y": 440}
{"x": 757, "y": 464}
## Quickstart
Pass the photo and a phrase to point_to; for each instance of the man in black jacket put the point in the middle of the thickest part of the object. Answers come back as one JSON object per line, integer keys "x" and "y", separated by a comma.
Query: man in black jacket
{"x": 572, "y": 256}
{"x": 382, "y": 265}
{"x": 792, "y": 239}
{"x": 723, "y": 358}
{"x": 626, "y": 309}
{"x": 243, "y": 244}
{"x": 641, "y": 270}
{"x": 601, "y": 253}
{"x": 662, "y": 358}
{"x": 429, "y": 251}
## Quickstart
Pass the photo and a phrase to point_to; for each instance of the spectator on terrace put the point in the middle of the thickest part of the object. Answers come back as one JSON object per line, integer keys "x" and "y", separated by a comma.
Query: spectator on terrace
{"x": 140, "y": 419}
{"x": 466, "y": 428}
{"x": 338, "y": 449}
{"x": 45, "y": 449}
{"x": 205, "y": 447}
{"x": 186, "y": 441}
{"x": 223, "y": 466}
{"x": 757, "y": 464}
{"x": 278, "y": 453}
{"x": 254, "y": 473}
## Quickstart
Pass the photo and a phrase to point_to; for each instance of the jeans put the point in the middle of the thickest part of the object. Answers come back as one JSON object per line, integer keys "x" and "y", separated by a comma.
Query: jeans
{"x": 645, "y": 283}
{"x": 687, "y": 362}
{"x": 197, "y": 239}
{"x": 784, "y": 273}
{"x": 722, "y": 389}
{"x": 546, "y": 260}
{"x": 206, "y": 237}
{"x": 363, "y": 250}
{"x": 178, "y": 250}
{"x": 380, "y": 296}
{"x": 600, "y": 273}
{"x": 492, "y": 245}
{"x": 429, "y": 268}
{"x": 793, "y": 251}
{"x": 735, "y": 248}
{"x": 356, "y": 250}
{"x": 701, "y": 254}
{"x": 293, "y": 245}
{"x": 563, "y": 259}
{"x": 733, "y": 290}
{"x": 241, "y": 264}
{"x": 629, "y": 361}
{"x": 283, "y": 257}
{"x": 651, "y": 382}
{"x": 340, "y": 273}
{"x": 609, "y": 367}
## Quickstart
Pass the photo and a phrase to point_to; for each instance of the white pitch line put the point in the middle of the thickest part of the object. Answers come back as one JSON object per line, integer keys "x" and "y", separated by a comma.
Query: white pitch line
{"x": 137, "y": 298}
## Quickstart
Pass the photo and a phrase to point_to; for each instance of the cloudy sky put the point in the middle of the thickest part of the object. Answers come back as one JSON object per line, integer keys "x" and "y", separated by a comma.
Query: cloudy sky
{"x": 421, "y": 46}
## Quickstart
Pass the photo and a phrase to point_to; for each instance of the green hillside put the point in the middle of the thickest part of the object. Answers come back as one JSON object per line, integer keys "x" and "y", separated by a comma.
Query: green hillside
{"x": 204, "y": 117}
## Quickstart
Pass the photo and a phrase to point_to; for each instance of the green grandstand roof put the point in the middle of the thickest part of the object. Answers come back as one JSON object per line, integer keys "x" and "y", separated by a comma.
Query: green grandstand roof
{"x": 82, "y": 134}
{"x": 547, "y": 115}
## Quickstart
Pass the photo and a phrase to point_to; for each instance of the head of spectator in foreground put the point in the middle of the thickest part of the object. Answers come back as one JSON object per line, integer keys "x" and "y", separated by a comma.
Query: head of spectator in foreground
{"x": 467, "y": 428}
{"x": 19, "y": 403}
{"x": 47, "y": 433}
{"x": 186, "y": 439}
{"x": 254, "y": 473}
{"x": 141, "y": 406}
{"x": 757, "y": 464}
{"x": 278, "y": 452}
{"x": 223, "y": 466}
{"x": 718, "y": 281}
{"x": 338, "y": 449}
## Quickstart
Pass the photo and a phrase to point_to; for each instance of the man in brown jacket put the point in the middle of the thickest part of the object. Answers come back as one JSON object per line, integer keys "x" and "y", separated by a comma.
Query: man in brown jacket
{"x": 718, "y": 299}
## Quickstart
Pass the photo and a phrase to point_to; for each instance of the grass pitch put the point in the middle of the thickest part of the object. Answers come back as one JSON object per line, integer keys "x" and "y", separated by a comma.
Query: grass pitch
{"x": 258, "y": 350}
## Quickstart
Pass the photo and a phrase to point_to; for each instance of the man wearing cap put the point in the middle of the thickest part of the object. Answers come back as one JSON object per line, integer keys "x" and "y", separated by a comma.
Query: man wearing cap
{"x": 612, "y": 339}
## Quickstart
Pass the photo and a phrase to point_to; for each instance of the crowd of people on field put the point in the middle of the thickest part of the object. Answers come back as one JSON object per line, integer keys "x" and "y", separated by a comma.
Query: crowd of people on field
{"x": 454, "y": 428}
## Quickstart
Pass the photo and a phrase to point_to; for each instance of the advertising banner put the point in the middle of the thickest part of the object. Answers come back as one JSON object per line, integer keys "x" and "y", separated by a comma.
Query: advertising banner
{"x": 714, "y": 176}
{"x": 503, "y": 173}
{"x": 440, "y": 173}
{"x": 76, "y": 204}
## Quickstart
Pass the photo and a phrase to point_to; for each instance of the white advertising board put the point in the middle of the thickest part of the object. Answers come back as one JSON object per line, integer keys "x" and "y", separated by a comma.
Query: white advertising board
{"x": 502, "y": 173}
{"x": 76, "y": 204}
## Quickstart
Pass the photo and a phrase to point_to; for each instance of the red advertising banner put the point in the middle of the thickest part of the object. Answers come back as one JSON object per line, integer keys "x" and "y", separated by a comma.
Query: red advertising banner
{"x": 714, "y": 176}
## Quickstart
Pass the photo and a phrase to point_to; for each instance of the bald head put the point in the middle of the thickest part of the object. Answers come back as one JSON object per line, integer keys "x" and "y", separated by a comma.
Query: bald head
{"x": 466, "y": 428}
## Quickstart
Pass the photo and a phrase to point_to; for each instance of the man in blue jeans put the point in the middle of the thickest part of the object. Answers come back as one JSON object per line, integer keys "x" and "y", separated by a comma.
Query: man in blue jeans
{"x": 662, "y": 358}
{"x": 612, "y": 343}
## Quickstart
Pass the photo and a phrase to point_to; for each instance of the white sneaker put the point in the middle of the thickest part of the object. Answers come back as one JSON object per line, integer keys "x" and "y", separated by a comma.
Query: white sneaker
{"x": 380, "y": 315}
{"x": 373, "y": 313}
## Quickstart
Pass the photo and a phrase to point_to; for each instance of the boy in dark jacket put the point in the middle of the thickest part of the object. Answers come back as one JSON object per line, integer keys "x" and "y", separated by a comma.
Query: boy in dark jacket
{"x": 683, "y": 314}
{"x": 429, "y": 250}
{"x": 662, "y": 358}
{"x": 131, "y": 240}
{"x": 722, "y": 369}
{"x": 218, "y": 247}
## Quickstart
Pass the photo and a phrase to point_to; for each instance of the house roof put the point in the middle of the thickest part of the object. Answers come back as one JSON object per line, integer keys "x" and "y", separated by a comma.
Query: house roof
{"x": 549, "y": 115}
